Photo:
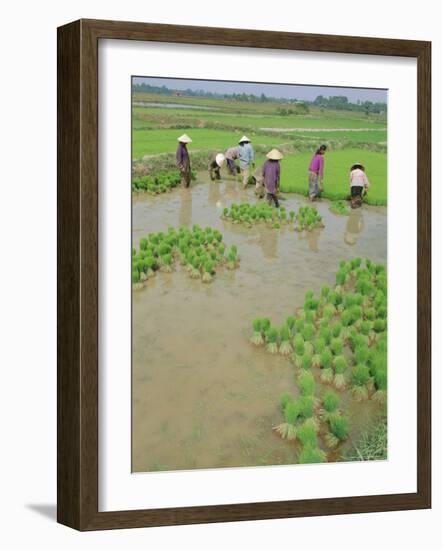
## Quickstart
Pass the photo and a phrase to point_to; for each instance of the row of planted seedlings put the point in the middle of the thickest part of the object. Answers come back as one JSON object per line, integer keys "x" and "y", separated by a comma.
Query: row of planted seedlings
{"x": 342, "y": 333}
{"x": 155, "y": 185}
{"x": 201, "y": 252}
{"x": 248, "y": 215}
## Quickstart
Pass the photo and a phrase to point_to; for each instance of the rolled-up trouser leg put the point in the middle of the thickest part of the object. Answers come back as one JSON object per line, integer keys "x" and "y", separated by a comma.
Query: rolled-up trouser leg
{"x": 185, "y": 177}
{"x": 313, "y": 188}
{"x": 245, "y": 176}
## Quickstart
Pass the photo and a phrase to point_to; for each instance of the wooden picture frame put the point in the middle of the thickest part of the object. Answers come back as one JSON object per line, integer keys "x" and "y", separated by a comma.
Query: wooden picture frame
{"x": 77, "y": 226}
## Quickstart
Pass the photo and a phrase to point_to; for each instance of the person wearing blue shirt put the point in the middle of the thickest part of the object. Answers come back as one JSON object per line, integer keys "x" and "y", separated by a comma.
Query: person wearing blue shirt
{"x": 246, "y": 156}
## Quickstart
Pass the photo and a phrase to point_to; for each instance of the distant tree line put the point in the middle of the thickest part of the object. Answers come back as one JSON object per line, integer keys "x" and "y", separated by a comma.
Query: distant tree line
{"x": 339, "y": 103}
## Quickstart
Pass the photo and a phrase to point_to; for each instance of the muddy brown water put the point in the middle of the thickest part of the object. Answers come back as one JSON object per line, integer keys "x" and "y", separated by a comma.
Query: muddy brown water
{"x": 203, "y": 396}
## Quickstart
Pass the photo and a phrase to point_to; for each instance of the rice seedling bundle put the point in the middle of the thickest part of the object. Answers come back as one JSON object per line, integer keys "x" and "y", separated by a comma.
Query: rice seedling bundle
{"x": 154, "y": 185}
{"x": 307, "y": 434}
{"x": 340, "y": 366}
{"x": 308, "y": 218}
{"x": 330, "y": 401}
{"x": 311, "y": 454}
{"x": 257, "y": 337}
{"x": 285, "y": 347}
{"x": 340, "y": 207}
{"x": 201, "y": 251}
{"x": 298, "y": 344}
{"x": 360, "y": 377}
{"x": 308, "y": 332}
{"x": 307, "y": 383}
{"x": 339, "y": 426}
{"x": 272, "y": 340}
{"x": 337, "y": 346}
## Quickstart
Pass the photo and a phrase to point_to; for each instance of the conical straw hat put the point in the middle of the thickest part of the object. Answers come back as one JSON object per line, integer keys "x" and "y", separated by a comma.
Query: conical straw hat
{"x": 184, "y": 139}
{"x": 220, "y": 159}
{"x": 244, "y": 138}
{"x": 274, "y": 154}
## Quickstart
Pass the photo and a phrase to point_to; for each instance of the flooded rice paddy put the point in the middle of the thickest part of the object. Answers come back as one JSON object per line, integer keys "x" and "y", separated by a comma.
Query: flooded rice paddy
{"x": 203, "y": 395}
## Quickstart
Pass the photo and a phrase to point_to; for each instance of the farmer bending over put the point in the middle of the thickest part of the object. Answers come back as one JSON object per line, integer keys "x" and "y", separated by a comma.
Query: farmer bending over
{"x": 316, "y": 174}
{"x": 359, "y": 184}
{"x": 183, "y": 160}
{"x": 215, "y": 164}
{"x": 232, "y": 154}
{"x": 246, "y": 156}
{"x": 271, "y": 172}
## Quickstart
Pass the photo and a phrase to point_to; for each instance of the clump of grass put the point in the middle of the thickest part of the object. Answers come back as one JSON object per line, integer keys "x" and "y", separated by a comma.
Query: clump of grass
{"x": 371, "y": 445}
{"x": 308, "y": 332}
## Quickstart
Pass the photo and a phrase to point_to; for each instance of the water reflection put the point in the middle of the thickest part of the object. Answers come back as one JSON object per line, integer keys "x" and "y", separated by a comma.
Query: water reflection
{"x": 185, "y": 210}
{"x": 313, "y": 239}
{"x": 354, "y": 227}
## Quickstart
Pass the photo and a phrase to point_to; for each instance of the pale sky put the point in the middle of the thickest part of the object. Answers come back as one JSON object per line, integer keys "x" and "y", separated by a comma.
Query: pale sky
{"x": 288, "y": 91}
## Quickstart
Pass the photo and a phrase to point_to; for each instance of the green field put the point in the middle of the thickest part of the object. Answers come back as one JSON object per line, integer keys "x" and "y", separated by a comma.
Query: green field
{"x": 216, "y": 124}
{"x": 154, "y": 142}
{"x": 294, "y": 174}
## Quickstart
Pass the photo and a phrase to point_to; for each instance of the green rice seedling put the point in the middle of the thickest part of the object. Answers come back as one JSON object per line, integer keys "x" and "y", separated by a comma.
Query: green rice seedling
{"x": 379, "y": 325}
{"x": 285, "y": 347}
{"x": 328, "y": 312}
{"x": 290, "y": 322}
{"x": 361, "y": 354}
{"x": 306, "y": 361}
{"x": 340, "y": 207}
{"x": 326, "y": 366}
{"x": 135, "y": 276}
{"x": 311, "y": 454}
{"x": 298, "y": 344}
{"x": 330, "y": 402}
{"x": 309, "y": 295}
{"x": 325, "y": 334}
{"x": 337, "y": 346}
{"x": 341, "y": 277}
{"x": 307, "y": 383}
{"x": 265, "y": 324}
{"x": 307, "y": 435}
{"x": 257, "y": 338}
{"x": 299, "y": 325}
{"x": 370, "y": 313}
{"x": 284, "y": 399}
{"x": 318, "y": 346}
{"x": 208, "y": 270}
{"x": 340, "y": 365}
{"x": 312, "y": 422}
{"x": 360, "y": 378}
{"x": 339, "y": 426}
{"x": 325, "y": 292}
{"x": 336, "y": 329}
{"x": 292, "y": 411}
{"x": 306, "y": 406}
{"x": 310, "y": 316}
{"x": 271, "y": 339}
{"x": 380, "y": 380}
{"x": 308, "y": 332}
{"x": 167, "y": 263}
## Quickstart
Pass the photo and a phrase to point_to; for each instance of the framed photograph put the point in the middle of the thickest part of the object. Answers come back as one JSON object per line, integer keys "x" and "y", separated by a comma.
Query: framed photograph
{"x": 243, "y": 275}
